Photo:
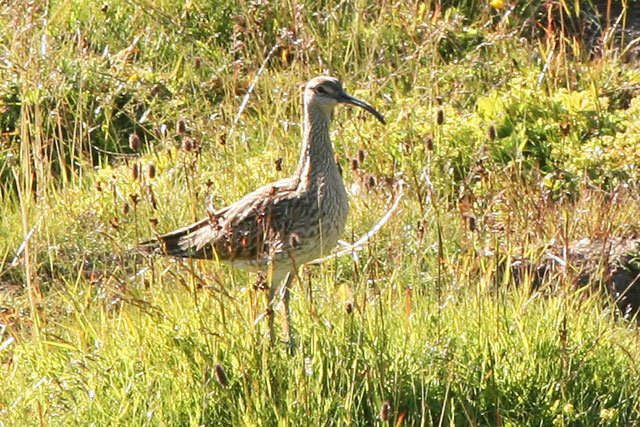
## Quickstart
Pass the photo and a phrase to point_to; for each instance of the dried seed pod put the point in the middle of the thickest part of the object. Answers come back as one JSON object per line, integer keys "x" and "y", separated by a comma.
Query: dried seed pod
{"x": 471, "y": 223}
{"x": 279, "y": 164}
{"x": 223, "y": 139}
{"x": 156, "y": 132}
{"x": 158, "y": 89}
{"x": 361, "y": 154}
{"x": 181, "y": 126}
{"x": 440, "y": 117}
{"x": 153, "y": 222}
{"x": 187, "y": 144}
{"x": 151, "y": 171}
{"x": 439, "y": 100}
{"x": 135, "y": 171}
{"x": 99, "y": 187}
{"x": 134, "y": 199}
{"x": 349, "y": 307}
{"x": 385, "y": 410}
{"x": 104, "y": 8}
{"x": 565, "y": 128}
{"x": 197, "y": 62}
{"x": 429, "y": 143}
{"x": 261, "y": 282}
{"x": 491, "y": 133}
{"x": 126, "y": 208}
{"x": 115, "y": 223}
{"x": 221, "y": 376}
{"x": 355, "y": 164}
{"x": 134, "y": 142}
{"x": 371, "y": 181}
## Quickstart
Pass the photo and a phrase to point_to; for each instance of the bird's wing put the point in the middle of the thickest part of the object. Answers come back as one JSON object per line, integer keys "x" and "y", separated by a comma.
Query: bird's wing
{"x": 249, "y": 229}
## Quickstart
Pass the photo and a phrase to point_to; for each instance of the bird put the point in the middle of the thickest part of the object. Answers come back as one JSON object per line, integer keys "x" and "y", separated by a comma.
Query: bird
{"x": 280, "y": 226}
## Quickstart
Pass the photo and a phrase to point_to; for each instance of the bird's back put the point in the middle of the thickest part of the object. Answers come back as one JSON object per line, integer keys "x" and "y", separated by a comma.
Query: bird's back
{"x": 286, "y": 221}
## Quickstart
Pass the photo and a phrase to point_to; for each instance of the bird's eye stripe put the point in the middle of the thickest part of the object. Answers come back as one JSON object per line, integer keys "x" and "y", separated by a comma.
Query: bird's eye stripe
{"x": 320, "y": 89}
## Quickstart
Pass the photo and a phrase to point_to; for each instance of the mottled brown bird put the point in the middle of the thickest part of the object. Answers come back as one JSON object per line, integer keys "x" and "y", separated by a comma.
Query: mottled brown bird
{"x": 283, "y": 225}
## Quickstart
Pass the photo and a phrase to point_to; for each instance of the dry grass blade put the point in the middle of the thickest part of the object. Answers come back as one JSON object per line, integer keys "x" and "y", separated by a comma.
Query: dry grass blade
{"x": 245, "y": 99}
{"x": 24, "y": 243}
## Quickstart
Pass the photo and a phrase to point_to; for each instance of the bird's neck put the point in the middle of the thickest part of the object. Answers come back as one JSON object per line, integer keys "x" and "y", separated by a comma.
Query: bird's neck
{"x": 316, "y": 157}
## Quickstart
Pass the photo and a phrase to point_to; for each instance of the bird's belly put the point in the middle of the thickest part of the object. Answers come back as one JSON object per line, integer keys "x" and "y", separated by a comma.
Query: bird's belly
{"x": 333, "y": 209}
{"x": 309, "y": 230}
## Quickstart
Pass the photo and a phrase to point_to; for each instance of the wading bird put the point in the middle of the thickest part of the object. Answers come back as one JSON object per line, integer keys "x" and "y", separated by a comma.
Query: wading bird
{"x": 283, "y": 225}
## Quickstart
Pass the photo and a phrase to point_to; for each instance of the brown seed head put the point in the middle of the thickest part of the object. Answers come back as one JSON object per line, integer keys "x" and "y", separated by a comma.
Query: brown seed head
{"x": 181, "y": 126}
{"x": 429, "y": 143}
{"x": 471, "y": 223}
{"x": 115, "y": 224}
{"x": 151, "y": 171}
{"x": 371, "y": 181}
{"x": 491, "y": 133}
{"x": 134, "y": 142}
{"x": 385, "y": 410}
{"x": 361, "y": 155}
{"x": 221, "y": 376}
{"x": 135, "y": 171}
{"x": 187, "y": 144}
{"x": 279, "y": 164}
{"x": 440, "y": 117}
{"x": 261, "y": 282}
{"x": 158, "y": 89}
{"x": 349, "y": 307}
{"x": 355, "y": 164}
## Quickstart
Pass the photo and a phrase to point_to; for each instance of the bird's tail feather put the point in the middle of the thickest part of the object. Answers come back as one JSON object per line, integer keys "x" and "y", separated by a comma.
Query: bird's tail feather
{"x": 187, "y": 242}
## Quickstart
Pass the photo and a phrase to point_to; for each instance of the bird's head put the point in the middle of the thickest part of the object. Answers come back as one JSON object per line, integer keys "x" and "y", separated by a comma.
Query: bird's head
{"x": 323, "y": 93}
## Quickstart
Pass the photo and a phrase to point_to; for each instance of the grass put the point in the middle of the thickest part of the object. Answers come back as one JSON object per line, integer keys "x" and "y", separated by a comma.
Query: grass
{"x": 505, "y": 144}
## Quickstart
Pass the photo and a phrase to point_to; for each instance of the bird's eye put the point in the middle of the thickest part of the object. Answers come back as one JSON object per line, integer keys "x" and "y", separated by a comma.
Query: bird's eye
{"x": 320, "y": 89}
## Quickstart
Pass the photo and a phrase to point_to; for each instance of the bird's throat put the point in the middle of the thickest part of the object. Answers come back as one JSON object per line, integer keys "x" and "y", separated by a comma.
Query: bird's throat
{"x": 316, "y": 157}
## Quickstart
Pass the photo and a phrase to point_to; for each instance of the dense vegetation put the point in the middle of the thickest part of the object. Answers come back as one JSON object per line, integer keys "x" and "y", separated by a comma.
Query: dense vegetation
{"x": 513, "y": 125}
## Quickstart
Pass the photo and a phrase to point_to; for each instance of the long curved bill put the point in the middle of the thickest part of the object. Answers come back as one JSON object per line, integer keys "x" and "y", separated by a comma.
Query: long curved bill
{"x": 348, "y": 99}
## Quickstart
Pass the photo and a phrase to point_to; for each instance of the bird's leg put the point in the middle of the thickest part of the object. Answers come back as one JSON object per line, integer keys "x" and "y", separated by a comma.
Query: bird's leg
{"x": 276, "y": 279}
{"x": 270, "y": 310}
{"x": 286, "y": 295}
